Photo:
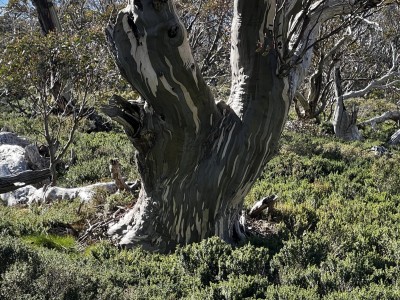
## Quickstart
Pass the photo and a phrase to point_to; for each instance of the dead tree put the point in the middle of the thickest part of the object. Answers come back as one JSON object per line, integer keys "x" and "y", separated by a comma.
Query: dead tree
{"x": 344, "y": 121}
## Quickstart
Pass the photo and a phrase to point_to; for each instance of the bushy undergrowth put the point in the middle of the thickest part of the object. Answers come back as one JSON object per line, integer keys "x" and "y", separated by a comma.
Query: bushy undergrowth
{"x": 335, "y": 235}
{"x": 340, "y": 209}
{"x": 93, "y": 153}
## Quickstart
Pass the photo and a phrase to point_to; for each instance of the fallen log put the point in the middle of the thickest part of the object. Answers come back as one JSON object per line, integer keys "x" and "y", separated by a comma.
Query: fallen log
{"x": 14, "y": 182}
{"x": 267, "y": 202}
{"x": 30, "y": 195}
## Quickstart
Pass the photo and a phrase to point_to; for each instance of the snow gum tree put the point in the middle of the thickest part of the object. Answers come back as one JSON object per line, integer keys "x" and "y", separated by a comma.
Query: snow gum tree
{"x": 197, "y": 158}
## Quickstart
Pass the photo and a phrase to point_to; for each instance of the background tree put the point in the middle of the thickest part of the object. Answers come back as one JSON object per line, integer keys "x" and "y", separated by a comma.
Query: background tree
{"x": 364, "y": 51}
{"x": 51, "y": 77}
{"x": 315, "y": 93}
{"x": 198, "y": 159}
{"x": 33, "y": 64}
{"x": 372, "y": 65}
{"x": 208, "y": 25}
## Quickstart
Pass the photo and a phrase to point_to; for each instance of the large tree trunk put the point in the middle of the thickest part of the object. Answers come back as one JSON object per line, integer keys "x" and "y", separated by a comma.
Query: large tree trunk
{"x": 197, "y": 159}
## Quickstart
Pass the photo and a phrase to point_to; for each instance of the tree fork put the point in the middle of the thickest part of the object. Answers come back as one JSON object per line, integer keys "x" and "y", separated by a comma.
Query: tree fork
{"x": 199, "y": 159}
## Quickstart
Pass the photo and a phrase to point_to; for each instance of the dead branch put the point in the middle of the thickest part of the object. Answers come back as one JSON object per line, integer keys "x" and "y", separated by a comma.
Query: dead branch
{"x": 265, "y": 203}
{"x": 388, "y": 115}
{"x": 14, "y": 182}
{"x": 115, "y": 170}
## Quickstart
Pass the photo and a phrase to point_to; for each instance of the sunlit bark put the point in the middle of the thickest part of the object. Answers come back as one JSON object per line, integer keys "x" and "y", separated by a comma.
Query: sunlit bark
{"x": 198, "y": 159}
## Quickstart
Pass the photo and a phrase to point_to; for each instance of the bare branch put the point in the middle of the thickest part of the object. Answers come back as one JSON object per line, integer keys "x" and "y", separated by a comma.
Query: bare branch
{"x": 384, "y": 81}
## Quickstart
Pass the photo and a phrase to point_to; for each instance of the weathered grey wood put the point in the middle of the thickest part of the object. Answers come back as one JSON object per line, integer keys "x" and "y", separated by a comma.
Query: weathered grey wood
{"x": 47, "y": 15}
{"x": 314, "y": 101}
{"x": 395, "y": 138}
{"x": 388, "y": 115}
{"x": 29, "y": 194}
{"x": 264, "y": 203}
{"x": 14, "y": 182}
{"x": 115, "y": 170}
{"x": 344, "y": 122}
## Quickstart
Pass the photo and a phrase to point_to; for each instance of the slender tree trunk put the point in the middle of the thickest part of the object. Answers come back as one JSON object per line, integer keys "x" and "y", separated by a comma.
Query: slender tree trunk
{"x": 344, "y": 122}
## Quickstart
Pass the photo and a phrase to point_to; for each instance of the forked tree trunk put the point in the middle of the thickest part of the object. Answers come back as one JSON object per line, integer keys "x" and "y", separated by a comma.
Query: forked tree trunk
{"x": 198, "y": 159}
{"x": 307, "y": 107}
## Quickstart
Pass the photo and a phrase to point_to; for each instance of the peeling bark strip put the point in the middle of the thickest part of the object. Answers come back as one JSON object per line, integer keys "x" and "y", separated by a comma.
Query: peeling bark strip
{"x": 198, "y": 159}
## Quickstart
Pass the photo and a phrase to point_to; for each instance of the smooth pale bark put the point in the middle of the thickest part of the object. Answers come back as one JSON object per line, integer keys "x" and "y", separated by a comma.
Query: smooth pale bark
{"x": 387, "y": 115}
{"x": 198, "y": 159}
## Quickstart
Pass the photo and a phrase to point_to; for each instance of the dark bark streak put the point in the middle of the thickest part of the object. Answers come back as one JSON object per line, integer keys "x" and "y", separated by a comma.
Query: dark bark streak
{"x": 47, "y": 17}
{"x": 7, "y": 184}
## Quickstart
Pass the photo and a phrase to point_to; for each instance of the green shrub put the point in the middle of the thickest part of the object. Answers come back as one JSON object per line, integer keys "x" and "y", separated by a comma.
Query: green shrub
{"x": 290, "y": 292}
{"x": 93, "y": 153}
{"x": 334, "y": 234}
{"x": 206, "y": 260}
{"x": 235, "y": 288}
{"x": 37, "y": 219}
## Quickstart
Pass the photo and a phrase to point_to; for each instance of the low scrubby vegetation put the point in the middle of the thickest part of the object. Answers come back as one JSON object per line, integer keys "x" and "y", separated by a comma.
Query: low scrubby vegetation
{"x": 334, "y": 233}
